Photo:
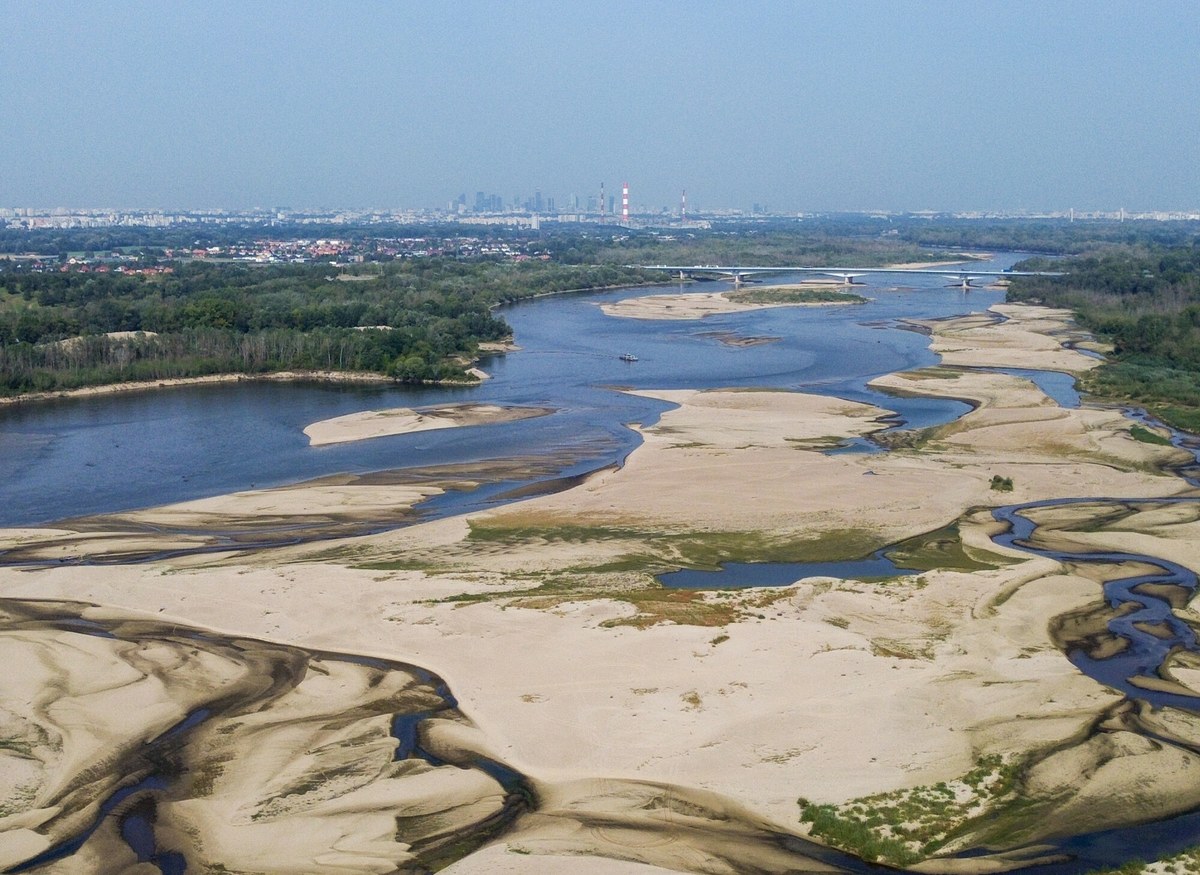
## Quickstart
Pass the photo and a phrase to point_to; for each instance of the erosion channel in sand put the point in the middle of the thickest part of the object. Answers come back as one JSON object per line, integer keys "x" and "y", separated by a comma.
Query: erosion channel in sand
{"x": 588, "y": 711}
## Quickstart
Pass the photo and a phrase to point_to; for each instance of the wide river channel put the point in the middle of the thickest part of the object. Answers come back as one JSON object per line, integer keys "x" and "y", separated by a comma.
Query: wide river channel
{"x": 81, "y": 456}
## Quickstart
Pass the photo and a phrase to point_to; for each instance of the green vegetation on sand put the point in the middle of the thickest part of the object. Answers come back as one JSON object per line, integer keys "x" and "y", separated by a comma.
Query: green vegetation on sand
{"x": 794, "y": 295}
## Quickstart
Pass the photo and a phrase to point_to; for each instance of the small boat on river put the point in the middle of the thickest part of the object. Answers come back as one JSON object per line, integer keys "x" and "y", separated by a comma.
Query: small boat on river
{"x": 628, "y": 357}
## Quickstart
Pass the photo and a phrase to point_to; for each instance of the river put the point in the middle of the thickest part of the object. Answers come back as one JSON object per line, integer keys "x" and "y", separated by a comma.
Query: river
{"x": 90, "y": 455}
{"x": 73, "y": 457}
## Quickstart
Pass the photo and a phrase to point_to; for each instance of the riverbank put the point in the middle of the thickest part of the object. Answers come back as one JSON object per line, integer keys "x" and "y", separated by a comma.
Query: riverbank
{"x": 578, "y": 669}
{"x": 475, "y": 374}
{"x": 349, "y": 377}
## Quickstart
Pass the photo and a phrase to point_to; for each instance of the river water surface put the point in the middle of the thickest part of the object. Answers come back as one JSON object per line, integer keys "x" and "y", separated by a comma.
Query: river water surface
{"x": 82, "y": 456}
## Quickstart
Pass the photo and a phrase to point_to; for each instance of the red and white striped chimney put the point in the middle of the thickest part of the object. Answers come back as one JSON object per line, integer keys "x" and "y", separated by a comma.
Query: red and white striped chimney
{"x": 625, "y": 202}
{"x": 683, "y": 206}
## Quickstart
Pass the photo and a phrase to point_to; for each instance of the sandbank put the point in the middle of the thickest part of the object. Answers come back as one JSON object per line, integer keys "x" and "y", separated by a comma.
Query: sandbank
{"x": 934, "y": 265}
{"x": 1012, "y": 336}
{"x": 650, "y": 721}
{"x": 403, "y": 420}
{"x": 697, "y": 305}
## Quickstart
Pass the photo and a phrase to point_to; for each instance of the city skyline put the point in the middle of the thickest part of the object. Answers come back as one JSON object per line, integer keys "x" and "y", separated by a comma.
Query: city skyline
{"x": 802, "y": 107}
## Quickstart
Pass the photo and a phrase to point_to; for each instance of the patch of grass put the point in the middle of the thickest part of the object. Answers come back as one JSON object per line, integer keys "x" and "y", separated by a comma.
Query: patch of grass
{"x": 554, "y": 589}
{"x": 937, "y": 372}
{"x": 825, "y": 442}
{"x": 794, "y": 296}
{"x": 1185, "y": 862}
{"x": 1184, "y": 418}
{"x": 702, "y": 550}
{"x": 905, "y": 826}
{"x": 396, "y": 565}
{"x": 942, "y": 548}
{"x": 1001, "y": 484}
{"x": 857, "y": 837}
{"x": 653, "y": 603}
{"x": 1146, "y": 436}
{"x": 1172, "y": 394}
{"x": 685, "y": 607}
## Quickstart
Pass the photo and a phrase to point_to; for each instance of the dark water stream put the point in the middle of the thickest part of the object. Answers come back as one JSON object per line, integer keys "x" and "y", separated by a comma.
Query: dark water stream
{"x": 153, "y": 768}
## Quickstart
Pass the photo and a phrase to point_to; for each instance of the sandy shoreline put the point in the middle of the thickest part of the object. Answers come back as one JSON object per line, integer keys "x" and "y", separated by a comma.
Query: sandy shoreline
{"x": 574, "y": 667}
{"x": 144, "y": 385}
{"x": 934, "y": 265}
{"x": 402, "y": 420}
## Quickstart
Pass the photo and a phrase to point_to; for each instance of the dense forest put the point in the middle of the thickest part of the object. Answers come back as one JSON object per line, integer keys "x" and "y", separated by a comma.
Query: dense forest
{"x": 1146, "y": 300}
{"x": 1046, "y": 236}
{"x": 816, "y": 244}
{"x": 64, "y": 241}
{"x": 416, "y": 320}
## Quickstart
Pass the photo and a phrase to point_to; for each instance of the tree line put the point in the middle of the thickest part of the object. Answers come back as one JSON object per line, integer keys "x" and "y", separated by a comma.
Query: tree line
{"x": 416, "y": 320}
{"x": 1145, "y": 300}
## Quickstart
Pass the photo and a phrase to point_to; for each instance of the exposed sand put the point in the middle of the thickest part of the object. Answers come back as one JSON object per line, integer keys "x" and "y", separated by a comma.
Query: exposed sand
{"x": 1025, "y": 337}
{"x": 934, "y": 265}
{"x": 281, "y": 376}
{"x": 829, "y": 689}
{"x": 697, "y": 305}
{"x": 402, "y": 420}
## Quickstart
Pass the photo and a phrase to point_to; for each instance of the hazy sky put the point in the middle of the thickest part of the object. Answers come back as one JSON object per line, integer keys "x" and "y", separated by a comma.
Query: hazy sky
{"x": 857, "y": 105}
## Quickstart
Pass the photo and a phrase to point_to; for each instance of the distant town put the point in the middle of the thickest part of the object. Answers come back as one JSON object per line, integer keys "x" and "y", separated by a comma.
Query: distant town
{"x": 529, "y": 213}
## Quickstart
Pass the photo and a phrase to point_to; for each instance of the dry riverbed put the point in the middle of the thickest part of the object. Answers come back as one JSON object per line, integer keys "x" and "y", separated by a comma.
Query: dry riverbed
{"x": 651, "y": 726}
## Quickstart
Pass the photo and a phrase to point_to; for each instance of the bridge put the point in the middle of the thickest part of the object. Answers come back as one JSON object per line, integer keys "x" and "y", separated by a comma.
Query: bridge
{"x": 961, "y": 277}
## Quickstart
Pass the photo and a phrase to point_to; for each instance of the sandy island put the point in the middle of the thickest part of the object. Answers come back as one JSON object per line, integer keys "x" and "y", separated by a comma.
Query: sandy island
{"x": 670, "y": 728}
{"x": 402, "y": 420}
{"x": 696, "y": 305}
